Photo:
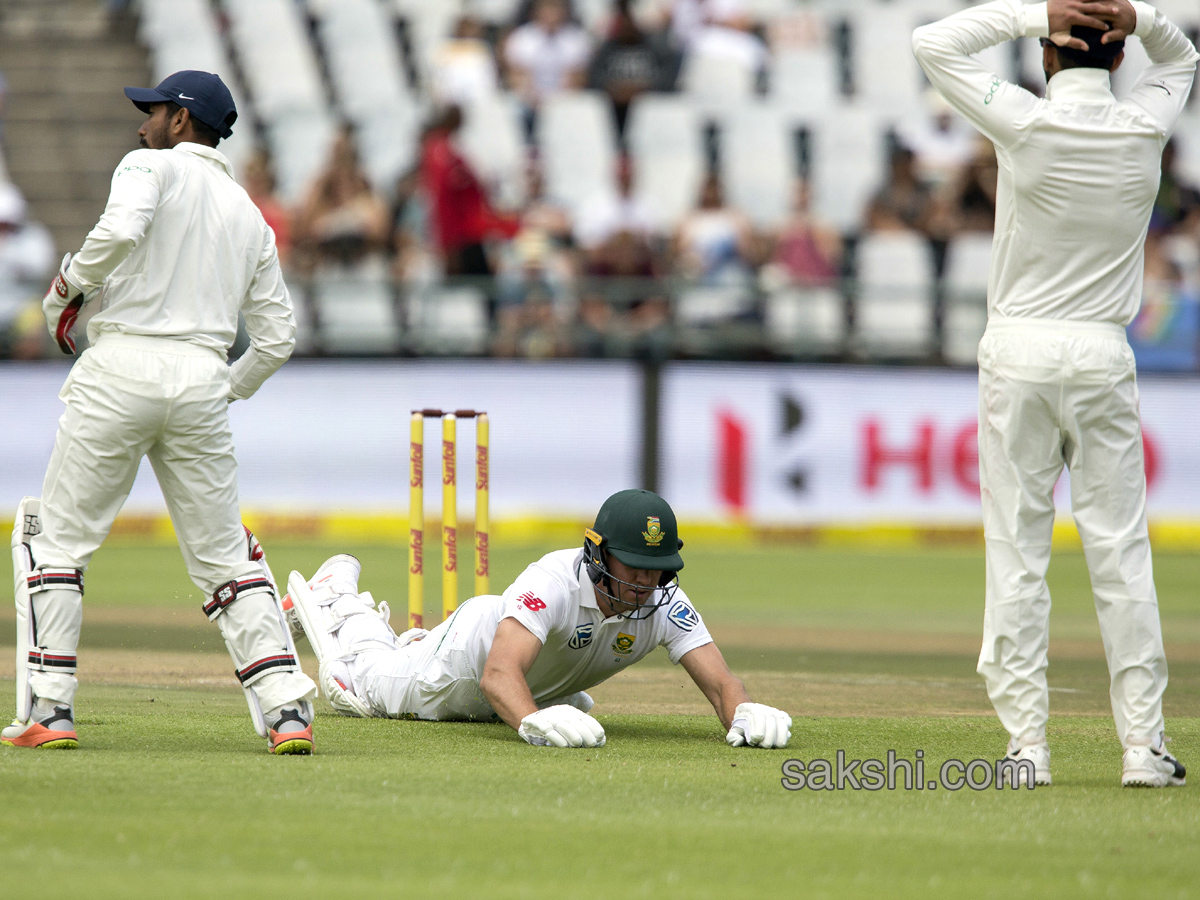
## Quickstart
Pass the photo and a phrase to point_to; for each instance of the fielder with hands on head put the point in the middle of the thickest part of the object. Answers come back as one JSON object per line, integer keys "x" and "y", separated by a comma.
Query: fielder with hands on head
{"x": 571, "y": 620}
{"x": 1079, "y": 171}
{"x": 179, "y": 251}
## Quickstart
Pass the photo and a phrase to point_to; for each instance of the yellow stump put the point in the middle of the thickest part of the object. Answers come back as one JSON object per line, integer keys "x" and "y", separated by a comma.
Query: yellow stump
{"x": 416, "y": 521}
{"x": 449, "y": 517}
{"x": 481, "y": 504}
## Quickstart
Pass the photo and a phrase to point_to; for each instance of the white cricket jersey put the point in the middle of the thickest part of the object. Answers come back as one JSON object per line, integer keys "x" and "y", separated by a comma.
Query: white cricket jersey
{"x": 1079, "y": 170}
{"x": 556, "y": 601}
{"x": 179, "y": 251}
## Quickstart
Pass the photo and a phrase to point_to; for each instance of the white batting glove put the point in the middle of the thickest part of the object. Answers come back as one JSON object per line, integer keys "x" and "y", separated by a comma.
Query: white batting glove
{"x": 561, "y": 726}
{"x": 61, "y": 306}
{"x": 756, "y": 725}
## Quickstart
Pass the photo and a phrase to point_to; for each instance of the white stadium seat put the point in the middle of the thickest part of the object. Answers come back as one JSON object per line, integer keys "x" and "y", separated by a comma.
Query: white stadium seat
{"x": 364, "y": 58}
{"x": 277, "y": 59}
{"x": 429, "y": 23}
{"x": 716, "y": 82}
{"x": 804, "y": 81}
{"x": 663, "y": 133}
{"x": 449, "y": 319}
{"x": 387, "y": 145}
{"x": 802, "y": 321}
{"x": 968, "y": 262}
{"x": 491, "y": 138}
{"x": 847, "y": 165}
{"x": 894, "y": 310}
{"x": 575, "y": 134}
{"x": 707, "y": 306}
{"x": 886, "y": 74}
{"x": 299, "y": 145}
{"x": 355, "y": 311}
{"x": 757, "y": 163}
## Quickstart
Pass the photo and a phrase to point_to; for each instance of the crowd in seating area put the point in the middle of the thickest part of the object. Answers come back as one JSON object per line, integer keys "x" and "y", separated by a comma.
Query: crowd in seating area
{"x": 649, "y": 178}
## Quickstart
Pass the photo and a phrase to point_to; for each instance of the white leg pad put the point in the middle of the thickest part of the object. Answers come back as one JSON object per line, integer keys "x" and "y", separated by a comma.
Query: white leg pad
{"x": 250, "y": 617}
{"x": 340, "y": 696}
{"x": 49, "y": 605}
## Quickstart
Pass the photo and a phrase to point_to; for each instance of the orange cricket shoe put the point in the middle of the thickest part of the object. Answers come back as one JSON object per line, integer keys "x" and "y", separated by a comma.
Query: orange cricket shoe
{"x": 55, "y": 732}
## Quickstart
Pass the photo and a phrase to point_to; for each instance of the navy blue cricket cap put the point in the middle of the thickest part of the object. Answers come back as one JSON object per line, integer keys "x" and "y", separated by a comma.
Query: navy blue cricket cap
{"x": 203, "y": 94}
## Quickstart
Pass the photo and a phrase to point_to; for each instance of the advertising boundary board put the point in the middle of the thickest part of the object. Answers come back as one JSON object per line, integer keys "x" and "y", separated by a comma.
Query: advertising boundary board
{"x": 332, "y": 437}
{"x": 796, "y": 446}
{"x": 880, "y": 455}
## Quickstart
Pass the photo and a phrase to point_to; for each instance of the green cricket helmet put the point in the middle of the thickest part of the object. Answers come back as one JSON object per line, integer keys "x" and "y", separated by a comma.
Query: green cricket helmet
{"x": 638, "y": 528}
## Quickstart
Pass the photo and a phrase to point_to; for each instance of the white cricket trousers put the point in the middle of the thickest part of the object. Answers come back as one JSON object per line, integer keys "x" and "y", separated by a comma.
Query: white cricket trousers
{"x": 128, "y": 397}
{"x": 1052, "y": 394}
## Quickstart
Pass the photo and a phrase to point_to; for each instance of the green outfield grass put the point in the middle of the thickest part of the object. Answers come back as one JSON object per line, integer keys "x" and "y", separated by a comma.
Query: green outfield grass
{"x": 172, "y": 794}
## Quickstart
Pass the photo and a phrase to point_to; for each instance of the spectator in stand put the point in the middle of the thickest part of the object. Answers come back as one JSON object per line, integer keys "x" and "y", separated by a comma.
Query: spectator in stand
{"x": 259, "y": 182}
{"x": 541, "y": 213}
{"x": 461, "y": 217}
{"x": 629, "y": 63}
{"x": 413, "y": 255}
{"x": 546, "y": 55}
{"x": 536, "y": 265}
{"x": 608, "y": 218}
{"x": 807, "y": 251}
{"x": 530, "y": 295}
{"x": 968, "y": 203}
{"x": 595, "y": 327}
{"x": 714, "y": 244}
{"x": 942, "y": 142}
{"x": 464, "y": 70}
{"x": 905, "y": 202}
{"x": 726, "y": 33}
{"x": 1177, "y": 205}
{"x": 26, "y": 259}
{"x": 342, "y": 220}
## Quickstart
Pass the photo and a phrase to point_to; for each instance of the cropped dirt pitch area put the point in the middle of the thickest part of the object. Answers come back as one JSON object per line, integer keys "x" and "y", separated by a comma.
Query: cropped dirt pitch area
{"x": 807, "y": 671}
{"x": 172, "y": 792}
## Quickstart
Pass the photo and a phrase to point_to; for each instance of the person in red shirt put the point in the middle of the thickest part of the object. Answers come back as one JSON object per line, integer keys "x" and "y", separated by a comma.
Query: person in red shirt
{"x": 461, "y": 216}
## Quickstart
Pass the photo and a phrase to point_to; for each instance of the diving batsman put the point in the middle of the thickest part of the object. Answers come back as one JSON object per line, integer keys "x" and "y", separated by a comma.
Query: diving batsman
{"x": 571, "y": 620}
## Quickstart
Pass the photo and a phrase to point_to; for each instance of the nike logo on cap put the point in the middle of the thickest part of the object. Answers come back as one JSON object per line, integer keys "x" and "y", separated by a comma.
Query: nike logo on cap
{"x": 186, "y": 97}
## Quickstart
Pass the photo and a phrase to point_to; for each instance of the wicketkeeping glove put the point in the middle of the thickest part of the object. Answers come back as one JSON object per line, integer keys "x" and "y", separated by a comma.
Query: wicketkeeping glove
{"x": 561, "y": 726}
{"x": 61, "y": 305}
{"x": 756, "y": 725}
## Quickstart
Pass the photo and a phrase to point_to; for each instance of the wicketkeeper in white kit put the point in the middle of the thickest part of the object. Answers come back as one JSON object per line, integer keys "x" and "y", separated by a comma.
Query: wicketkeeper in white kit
{"x": 1079, "y": 172}
{"x": 572, "y": 619}
{"x": 179, "y": 251}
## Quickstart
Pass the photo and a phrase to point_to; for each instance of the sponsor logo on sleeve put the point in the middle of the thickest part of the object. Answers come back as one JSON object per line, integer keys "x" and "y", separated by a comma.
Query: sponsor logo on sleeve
{"x": 653, "y": 533}
{"x": 582, "y": 636}
{"x": 531, "y": 602}
{"x": 683, "y": 615}
{"x": 624, "y": 643}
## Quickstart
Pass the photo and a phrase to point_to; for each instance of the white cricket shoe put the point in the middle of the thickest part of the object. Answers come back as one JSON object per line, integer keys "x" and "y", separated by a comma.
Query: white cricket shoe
{"x": 1151, "y": 767}
{"x": 1039, "y": 755}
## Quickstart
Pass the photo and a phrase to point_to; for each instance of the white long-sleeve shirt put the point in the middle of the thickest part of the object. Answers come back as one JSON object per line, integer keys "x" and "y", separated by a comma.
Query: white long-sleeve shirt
{"x": 180, "y": 249}
{"x": 1079, "y": 170}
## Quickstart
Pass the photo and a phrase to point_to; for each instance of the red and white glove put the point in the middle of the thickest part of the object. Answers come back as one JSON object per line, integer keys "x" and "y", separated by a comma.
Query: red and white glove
{"x": 561, "y": 726}
{"x": 61, "y": 305}
{"x": 756, "y": 725}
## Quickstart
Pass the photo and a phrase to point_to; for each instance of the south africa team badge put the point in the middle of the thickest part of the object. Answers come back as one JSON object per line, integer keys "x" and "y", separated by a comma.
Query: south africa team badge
{"x": 653, "y": 533}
